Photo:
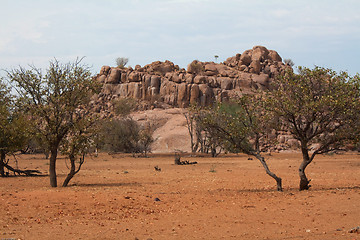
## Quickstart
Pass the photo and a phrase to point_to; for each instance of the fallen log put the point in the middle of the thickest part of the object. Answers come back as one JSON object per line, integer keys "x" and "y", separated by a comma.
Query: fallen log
{"x": 24, "y": 172}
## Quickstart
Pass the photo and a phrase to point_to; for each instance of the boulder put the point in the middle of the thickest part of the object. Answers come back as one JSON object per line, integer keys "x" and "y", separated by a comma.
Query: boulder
{"x": 194, "y": 94}
{"x": 213, "y": 82}
{"x": 245, "y": 59}
{"x": 210, "y": 69}
{"x": 155, "y": 83}
{"x": 262, "y": 79}
{"x": 168, "y": 91}
{"x": 273, "y": 55}
{"x": 114, "y": 76}
{"x": 199, "y": 79}
{"x": 137, "y": 90}
{"x": 259, "y": 53}
{"x": 183, "y": 99}
{"x": 124, "y": 78}
{"x": 138, "y": 68}
{"x": 105, "y": 70}
{"x": 134, "y": 77}
{"x": 206, "y": 95}
{"x": 108, "y": 89}
{"x": 255, "y": 67}
{"x": 159, "y": 67}
{"x": 226, "y": 83}
{"x": 101, "y": 78}
{"x": 189, "y": 78}
{"x": 174, "y": 77}
{"x": 147, "y": 80}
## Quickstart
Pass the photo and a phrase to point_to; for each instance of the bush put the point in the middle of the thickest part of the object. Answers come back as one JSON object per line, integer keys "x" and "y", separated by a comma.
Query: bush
{"x": 119, "y": 136}
{"x": 124, "y": 106}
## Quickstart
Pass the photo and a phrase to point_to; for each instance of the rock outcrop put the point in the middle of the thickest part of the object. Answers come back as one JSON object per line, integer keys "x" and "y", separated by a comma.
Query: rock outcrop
{"x": 201, "y": 83}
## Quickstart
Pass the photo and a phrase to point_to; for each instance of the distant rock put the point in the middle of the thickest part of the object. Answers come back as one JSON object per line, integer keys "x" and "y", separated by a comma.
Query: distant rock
{"x": 202, "y": 83}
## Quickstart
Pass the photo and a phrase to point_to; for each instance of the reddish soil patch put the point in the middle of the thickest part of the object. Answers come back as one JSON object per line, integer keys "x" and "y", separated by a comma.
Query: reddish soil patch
{"x": 230, "y": 197}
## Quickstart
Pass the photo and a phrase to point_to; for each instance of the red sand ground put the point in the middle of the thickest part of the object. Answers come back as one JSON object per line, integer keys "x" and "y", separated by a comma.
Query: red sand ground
{"x": 113, "y": 197}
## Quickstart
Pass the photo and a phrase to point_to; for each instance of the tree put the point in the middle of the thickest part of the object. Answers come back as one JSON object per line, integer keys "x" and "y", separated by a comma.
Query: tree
{"x": 52, "y": 100}
{"x": 146, "y": 138}
{"x": 80, "y": 140}
{"x": 191, "y": 126}
{"x": 238, "y": 127}
{"x": 320, "y": 108}
{"x": 13, "y": 129}
{"x": 289, "y": 62}
{"x": 121, "y": 62}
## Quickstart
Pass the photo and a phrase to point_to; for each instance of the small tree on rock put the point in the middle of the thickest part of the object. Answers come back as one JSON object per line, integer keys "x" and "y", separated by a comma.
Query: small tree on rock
{"x": 121, "y": 62}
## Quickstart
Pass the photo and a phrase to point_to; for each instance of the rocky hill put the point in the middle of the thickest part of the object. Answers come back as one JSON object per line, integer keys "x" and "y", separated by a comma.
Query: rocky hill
{"x": 201, "y": 83}
{"x": 163, "y": 90}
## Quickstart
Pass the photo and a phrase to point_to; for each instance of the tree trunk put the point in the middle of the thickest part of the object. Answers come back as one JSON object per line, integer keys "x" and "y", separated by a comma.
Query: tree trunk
{"x": 2, "y": 163}
{"x": 271, "y": 174}
{"x": 213, "y": 152}
{"x": 72, "y": 171}
{"x": 304, "y": 182}
{"x": 52, "y": 168}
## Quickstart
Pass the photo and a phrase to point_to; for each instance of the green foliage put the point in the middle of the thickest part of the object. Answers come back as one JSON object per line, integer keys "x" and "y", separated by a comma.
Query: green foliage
{"x": 14, "y": 131}
{"x": 13, "y": 125}
{"x": 55, "y": 101}
{"x": 120, "y": 135}
{"x": 125, "y": 135}
{"x": 239, "y": 126}
{"x": 145, "y": 139}
{"x": 317, "y": 106}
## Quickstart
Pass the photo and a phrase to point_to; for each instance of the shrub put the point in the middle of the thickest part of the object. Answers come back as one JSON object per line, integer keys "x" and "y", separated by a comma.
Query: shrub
{"x": 119, "y": 135}
{"x": 124, "y": 106}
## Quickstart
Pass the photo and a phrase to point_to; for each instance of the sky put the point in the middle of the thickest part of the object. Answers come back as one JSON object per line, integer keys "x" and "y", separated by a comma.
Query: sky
{"x": 324, "y": 33}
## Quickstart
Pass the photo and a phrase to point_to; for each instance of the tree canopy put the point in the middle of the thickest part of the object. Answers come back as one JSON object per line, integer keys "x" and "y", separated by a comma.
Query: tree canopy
{"x": 55, "y": 101}
{"x": 13, "y": 127}
{"x": 320, "y": 108}
{"x": 237, "y": 127}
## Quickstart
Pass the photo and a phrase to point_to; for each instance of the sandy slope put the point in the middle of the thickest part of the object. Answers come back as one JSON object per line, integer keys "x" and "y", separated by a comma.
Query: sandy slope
{"x": 115, "y": 197}
{"x": 171, "y": 133}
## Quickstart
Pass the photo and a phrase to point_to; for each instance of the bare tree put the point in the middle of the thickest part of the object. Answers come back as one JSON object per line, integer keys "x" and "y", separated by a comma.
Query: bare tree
{"x": 121, "y": 62}
{"x": 191, "y": 125}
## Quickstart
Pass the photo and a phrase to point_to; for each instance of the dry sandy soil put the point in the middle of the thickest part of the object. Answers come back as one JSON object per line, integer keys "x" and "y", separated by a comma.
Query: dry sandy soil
{"x": 230, "y": 197}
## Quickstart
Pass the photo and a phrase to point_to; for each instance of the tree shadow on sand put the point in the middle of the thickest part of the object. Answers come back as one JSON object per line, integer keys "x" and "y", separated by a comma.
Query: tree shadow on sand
{"x": 120, "y": 184}
{"x": 295, "y": 189}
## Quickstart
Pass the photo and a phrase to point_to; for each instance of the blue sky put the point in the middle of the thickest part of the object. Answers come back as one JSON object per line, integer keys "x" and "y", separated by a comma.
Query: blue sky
{"x": 310, "y": 32}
